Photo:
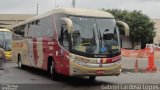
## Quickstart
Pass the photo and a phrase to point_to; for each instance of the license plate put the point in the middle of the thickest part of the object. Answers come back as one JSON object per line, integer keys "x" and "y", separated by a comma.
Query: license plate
{"x": 99, "y": 72}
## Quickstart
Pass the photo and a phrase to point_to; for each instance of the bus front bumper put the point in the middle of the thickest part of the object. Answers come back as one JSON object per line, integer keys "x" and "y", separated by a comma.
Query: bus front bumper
{"x": 80, "y": 70}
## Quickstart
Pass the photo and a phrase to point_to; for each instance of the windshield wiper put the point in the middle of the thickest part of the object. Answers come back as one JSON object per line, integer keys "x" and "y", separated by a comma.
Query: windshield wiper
{"x": 93, "y": 40}
{"x": 109, "y": 47}
{"x": 100, "y": 40}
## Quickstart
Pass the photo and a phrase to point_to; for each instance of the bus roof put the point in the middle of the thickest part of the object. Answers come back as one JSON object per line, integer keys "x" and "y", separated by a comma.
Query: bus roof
{"x": 4, "y": 30}
{"x": 71, "y": 11}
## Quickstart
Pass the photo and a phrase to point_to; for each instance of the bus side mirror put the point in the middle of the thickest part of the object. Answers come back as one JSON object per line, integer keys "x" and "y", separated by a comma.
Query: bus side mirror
{"x": 68, "y": 23}
{"x": 126, "y": 27}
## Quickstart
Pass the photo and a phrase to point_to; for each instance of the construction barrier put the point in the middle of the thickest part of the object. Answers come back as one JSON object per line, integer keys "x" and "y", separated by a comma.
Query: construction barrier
{"x": 134, "y": 53}
{"x": 147, "y": 52}
{"x": 139, "y": 53}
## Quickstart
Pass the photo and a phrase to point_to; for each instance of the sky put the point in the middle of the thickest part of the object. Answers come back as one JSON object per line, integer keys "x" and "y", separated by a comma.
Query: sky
{"x": 149, "y": 7}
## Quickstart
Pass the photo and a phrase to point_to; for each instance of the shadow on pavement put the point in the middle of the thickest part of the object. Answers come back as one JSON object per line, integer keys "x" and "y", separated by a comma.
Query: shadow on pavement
{"x": 72, "y": 81}
{"x": 126, "y": 70}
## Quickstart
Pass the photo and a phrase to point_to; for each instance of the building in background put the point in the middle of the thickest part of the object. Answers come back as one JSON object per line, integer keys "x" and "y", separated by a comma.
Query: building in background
{"x": 8, "y": 20}
{"x": 156, "y": 39}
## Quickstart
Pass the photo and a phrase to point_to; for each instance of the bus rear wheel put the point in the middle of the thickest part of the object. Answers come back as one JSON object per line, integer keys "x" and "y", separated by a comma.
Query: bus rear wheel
{"x": 52, "y": 71}
{"x": 20, "y": 62}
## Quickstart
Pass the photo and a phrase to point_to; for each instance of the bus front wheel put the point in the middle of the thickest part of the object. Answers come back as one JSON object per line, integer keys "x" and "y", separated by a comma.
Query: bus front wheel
{"x": 52, "y": 71}
{"x": 92, "y": 77}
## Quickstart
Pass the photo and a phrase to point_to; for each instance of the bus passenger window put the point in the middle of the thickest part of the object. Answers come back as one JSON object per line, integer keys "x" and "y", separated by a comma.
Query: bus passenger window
{"x": 31, "y": 30}
{"x": 38, "y": 28}
{"x": 32, "y": 23}
{"x": 28, "y": 25}
{"x": 20, "y": 30}
{"x": 37, "y": 22}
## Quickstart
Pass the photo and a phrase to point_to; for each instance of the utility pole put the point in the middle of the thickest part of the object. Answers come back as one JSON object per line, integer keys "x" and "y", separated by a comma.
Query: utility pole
{"x": 37, "y": 8}
{"x": 55, "y": 3}
{"x": 73, "y": 3}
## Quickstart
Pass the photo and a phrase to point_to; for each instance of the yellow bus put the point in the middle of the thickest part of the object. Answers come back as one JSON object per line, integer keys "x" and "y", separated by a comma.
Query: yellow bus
{"x": 5, "y": 42}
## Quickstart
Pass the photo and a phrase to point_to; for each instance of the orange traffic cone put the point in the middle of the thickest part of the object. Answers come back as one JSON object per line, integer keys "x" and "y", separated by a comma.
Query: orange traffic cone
{"x": 151, "y": 66}
{"x": 136, "y": 66}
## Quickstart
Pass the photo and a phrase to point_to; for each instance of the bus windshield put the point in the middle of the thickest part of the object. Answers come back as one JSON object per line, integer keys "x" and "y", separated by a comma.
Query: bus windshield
{"x": 95, "y": 35}
{"x": 5, "y": 40}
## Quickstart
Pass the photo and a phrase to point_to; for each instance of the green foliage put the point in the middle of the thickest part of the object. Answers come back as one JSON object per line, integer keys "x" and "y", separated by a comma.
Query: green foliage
{"x": 141, "y": 27}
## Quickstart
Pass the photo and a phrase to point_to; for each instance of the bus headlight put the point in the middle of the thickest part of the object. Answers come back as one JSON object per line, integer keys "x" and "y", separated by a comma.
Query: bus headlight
{"x": 75, "y": 60}
{"x": 71, "y": 57}
{"x": 80, "y": 63}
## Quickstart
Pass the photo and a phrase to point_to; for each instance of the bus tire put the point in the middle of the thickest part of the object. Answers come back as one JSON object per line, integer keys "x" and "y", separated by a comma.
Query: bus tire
{"x": 20, "y": 62}
{"x": 52, "y": 70}
{"x": 92, "y": 78}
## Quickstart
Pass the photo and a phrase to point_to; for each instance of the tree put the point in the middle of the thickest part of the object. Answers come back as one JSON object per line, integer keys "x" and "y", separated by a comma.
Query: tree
{"x": 141, "y": 27}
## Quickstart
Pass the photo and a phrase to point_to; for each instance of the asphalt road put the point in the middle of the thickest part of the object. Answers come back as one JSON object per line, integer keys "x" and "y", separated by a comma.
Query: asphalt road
{"x": 34, "y": 79}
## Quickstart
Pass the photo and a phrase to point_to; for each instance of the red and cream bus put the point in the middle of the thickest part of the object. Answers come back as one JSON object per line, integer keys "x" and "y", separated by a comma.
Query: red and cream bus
{"x": 71, "y": 42}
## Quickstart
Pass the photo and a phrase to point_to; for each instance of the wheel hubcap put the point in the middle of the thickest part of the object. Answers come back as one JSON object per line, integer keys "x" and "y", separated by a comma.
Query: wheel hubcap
{"x": 51, "y": 68}
{"x": 20, "y": 64}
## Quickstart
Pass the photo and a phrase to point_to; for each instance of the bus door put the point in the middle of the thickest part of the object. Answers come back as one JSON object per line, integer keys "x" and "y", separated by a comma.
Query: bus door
{"x": 64, "y": 49}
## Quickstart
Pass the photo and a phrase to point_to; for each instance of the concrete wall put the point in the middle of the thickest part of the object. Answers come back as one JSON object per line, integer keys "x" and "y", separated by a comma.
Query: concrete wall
{"x": 157, "y": 26}
{"x": 125, "y": 42}
{"x": 8, "y": 20}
